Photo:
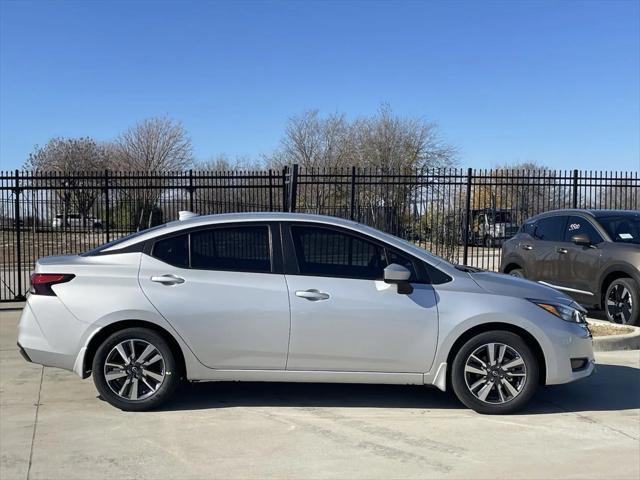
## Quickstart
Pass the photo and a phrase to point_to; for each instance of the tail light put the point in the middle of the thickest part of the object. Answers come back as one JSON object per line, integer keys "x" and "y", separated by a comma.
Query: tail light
{"x": 41, "y": 283}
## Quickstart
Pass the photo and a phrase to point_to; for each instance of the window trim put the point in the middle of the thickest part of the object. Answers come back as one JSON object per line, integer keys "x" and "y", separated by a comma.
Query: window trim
{"x": 275, "y": 250}
{"x": 291, "y": 266}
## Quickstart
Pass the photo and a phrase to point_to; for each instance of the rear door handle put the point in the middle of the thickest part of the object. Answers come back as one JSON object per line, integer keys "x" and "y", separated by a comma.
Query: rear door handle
{"x": 312, "y": 295}
{"x": 168, "y": 279}
{"x": 527, "y": 247}
{"x": 562, "y": 250}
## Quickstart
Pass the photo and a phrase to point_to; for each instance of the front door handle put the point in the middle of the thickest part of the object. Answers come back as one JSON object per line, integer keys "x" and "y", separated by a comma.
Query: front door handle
{"x": 527, "y": 247}
{"x": 168, "y": 279}
{"x": 312, "y": 295}
{"x": 562, "y": 250}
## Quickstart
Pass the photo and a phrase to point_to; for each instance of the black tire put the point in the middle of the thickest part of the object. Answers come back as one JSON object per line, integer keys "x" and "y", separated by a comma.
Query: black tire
{"x": 517, "y": 272}
{"x": 525, "y": 391}
{"x": 169, "y": 371}
{"x": 618, "y": 314}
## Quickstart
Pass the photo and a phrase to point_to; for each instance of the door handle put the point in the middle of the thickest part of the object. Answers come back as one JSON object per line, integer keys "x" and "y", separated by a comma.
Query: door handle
{"x": 312, "y": 295}
{"x": 527, "y": 247}
{"x": 168, "y": 279}
{"x": 562, "y": 250}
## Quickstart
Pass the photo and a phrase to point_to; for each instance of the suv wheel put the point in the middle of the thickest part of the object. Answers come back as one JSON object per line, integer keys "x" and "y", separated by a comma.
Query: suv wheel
{"x": 495, "y": 373}
{"x": 622, "y": 302}
{"x": 517, "y": 272}
{"x": 134, "y": 369}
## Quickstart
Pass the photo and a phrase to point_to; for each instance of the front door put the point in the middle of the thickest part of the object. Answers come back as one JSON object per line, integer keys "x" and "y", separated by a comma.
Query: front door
{"x": 217, "y": 288}
{"x": 344, "y": 317}
{"x": 580, "y": 263}
{"x": 546, "y": 249}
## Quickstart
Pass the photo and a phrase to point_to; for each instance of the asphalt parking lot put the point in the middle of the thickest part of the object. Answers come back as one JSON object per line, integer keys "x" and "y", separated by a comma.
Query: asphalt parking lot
{"x": 52, "y": 425}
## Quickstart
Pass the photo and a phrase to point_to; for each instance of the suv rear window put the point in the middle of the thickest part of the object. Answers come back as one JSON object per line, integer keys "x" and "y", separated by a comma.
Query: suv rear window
{"x": 550, "y": 229}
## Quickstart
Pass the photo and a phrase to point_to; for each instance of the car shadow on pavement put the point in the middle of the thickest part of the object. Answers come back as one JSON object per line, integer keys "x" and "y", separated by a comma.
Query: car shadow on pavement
{"x": 611, "y": 387}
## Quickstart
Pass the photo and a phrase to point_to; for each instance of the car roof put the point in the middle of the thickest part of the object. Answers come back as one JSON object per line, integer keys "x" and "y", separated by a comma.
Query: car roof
{"x": 585, "y": 211}
{"x": 203, "y": 220}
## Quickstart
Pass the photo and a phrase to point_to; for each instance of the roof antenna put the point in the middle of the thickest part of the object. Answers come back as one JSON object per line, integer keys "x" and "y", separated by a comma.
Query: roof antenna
{"x": 186, "y": 215}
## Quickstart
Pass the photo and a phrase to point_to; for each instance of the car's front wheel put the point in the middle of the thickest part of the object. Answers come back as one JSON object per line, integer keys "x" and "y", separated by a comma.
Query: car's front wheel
{"x": 135, "y": 369}
{"x": 495, "y": 372}
{"x": 622, "y": 301}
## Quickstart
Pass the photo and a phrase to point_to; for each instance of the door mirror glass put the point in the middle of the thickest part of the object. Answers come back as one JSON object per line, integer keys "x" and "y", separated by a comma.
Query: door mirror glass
{"x": 399, "y": 275}
{"x": 581, "y": 239}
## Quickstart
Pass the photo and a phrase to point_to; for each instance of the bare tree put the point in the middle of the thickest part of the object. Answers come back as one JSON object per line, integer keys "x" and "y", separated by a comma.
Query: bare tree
{"x": 315, "y": 142}
{"x": 390, "y": 142}
{"x": 69, "y": 156}
{"x": 154, "y": 145}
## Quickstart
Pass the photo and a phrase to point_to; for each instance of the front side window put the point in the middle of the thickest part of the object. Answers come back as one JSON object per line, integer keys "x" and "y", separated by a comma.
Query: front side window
{"x": 232, "y": 248}
{"x": 550, "y": 229}
{"x": 579, "y": 226}
{"x": 327, "y": 252}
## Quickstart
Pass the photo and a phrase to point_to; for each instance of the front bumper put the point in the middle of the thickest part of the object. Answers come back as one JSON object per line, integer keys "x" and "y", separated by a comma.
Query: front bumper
{"x": 570, "y": 342}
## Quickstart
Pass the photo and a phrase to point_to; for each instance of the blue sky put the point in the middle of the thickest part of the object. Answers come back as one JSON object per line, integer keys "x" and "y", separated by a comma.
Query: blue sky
{"x": 557, "y": 83}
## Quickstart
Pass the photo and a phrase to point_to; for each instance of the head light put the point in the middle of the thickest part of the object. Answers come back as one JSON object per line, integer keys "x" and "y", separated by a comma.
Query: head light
{"x": 573, "y": 313}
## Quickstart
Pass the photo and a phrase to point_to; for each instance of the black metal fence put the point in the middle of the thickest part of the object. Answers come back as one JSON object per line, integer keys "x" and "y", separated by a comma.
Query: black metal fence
{"x": 460, "y": 214}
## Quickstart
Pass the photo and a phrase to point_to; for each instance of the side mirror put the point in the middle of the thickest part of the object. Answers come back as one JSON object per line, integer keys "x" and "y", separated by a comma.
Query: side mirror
{"x": 581, "y": 239}
{"x": 399, "y": 275}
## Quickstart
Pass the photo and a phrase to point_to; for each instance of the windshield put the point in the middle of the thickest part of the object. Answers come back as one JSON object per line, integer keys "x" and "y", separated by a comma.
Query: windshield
{"x": 502, "y": 217}
{"x": 622, "y": 228}
{"x": 122, "y": 240}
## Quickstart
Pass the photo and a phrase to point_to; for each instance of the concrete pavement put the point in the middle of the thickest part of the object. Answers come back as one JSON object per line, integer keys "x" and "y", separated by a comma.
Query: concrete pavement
{"x": 53, "y": 426}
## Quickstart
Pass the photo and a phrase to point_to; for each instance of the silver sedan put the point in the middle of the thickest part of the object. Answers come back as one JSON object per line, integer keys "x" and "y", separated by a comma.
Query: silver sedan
{"x": 299, "y": 298}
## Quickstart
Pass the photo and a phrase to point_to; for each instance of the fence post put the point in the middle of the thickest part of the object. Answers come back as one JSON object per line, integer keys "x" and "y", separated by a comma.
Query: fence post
{"x": 293, "y": 187}
{"x": 467, "y": 214}
{"x": 18, "y": 295}
{"x": 353, "y": 193}
{"x": 285, "y": 196}
{"x": 107, "y": 214}
{"x": 270, "y": 190}
{"x": 575, "y": 189}
{"x": 191, "y": 190}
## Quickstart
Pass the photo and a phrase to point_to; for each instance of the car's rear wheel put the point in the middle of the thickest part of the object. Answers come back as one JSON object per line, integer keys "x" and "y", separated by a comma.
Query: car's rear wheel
{"x": 495, "y": 372}
{"x": 622, "y": 302}
{"x": 135, "y": 369}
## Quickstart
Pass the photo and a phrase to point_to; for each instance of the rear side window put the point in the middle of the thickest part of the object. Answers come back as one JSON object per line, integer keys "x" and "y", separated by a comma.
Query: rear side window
{"x": 551, "y": 229}
{"x": 578, "y": 226}
{"x": 173, "y": 250}
{"x": 243, "y": 249}
{"x": 326, "y": 252}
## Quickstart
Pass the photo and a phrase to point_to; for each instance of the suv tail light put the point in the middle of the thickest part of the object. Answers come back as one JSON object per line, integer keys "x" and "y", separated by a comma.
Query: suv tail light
{"x": 41, "y": 283}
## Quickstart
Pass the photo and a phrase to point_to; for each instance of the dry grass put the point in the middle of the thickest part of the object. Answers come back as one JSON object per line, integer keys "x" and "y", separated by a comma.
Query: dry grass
{"x": 604, "y": 330}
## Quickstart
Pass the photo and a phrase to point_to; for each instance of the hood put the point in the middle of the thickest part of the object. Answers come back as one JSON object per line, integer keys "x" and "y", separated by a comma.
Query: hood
{"x": 501, "y": 284}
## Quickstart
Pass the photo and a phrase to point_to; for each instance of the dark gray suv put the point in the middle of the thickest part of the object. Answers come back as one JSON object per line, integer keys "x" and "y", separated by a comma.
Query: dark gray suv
{"x": 592, "y": 255}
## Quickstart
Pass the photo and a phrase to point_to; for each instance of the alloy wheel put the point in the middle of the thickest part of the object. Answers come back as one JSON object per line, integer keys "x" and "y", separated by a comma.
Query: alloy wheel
{"x": 495, "y": 373}
{"x": 619, "y": 304}
{"x": 134, "y": 369}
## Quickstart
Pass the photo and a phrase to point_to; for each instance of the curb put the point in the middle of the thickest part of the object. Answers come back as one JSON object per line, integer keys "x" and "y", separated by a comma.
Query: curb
{"x": 625, "y": 341}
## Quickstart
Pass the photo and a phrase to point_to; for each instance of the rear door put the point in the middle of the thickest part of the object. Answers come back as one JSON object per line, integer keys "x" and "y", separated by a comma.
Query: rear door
{"x": 223, "y": 290}
{"x": 343, "y": 316}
